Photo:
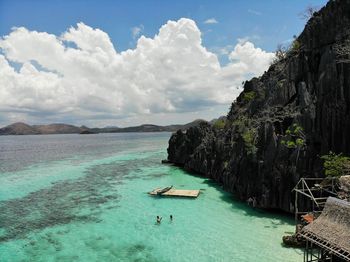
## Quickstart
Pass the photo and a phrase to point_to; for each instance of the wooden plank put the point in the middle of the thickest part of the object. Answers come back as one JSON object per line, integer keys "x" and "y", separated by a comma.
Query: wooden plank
{"x": 302, "y": 192}
{"x": 177, "y": 193}
{"x": 321, "y": 198}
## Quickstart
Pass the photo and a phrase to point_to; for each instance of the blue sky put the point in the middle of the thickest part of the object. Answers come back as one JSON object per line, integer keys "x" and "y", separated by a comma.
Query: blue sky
{"x": 266, "y": 23}
{"x": 240, "y": 32}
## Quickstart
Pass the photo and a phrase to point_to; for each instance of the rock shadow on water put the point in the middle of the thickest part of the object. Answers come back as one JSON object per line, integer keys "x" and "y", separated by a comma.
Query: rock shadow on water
{"x": 69, "y": 201}
{"x": 249, "y": 210}
{"x": 256, "y": 212}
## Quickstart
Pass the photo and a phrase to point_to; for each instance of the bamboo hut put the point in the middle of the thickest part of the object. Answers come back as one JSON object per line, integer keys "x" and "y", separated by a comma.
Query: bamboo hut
{"x": 328, "y": 237}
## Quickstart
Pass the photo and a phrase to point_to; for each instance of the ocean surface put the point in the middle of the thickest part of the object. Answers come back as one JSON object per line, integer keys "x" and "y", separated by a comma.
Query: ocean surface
{"x": 84, "y": 198}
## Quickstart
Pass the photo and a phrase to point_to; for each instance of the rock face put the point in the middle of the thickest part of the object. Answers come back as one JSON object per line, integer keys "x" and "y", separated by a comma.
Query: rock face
{"x": 283, "y": 121}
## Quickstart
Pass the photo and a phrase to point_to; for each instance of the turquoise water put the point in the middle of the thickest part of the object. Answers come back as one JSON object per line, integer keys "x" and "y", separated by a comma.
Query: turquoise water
{"x": 84, "y": 198}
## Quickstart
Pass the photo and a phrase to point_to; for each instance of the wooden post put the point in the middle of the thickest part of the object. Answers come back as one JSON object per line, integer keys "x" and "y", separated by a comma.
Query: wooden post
{"x": 305, "y": 252}
{"x": 296, "y": 208}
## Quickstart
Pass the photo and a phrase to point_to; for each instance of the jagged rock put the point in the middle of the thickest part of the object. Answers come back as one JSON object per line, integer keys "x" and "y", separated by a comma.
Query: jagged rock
{"x": 309, "y": 88}
{"x": 293, "y": 241}
{"x": 345, "y": 183}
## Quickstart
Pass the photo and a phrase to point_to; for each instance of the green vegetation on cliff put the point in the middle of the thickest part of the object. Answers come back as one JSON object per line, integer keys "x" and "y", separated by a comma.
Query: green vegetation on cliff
{"x": 336, "y": 165}
{"x": 295, "y": 137}
{"x": 249, "y": 96}
{"x": 219, "y": 124}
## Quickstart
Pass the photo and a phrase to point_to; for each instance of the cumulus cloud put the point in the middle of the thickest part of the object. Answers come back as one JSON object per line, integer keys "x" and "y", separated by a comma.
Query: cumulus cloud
{"x": 80, "y": 76}
{"x": 246, "y": 59}
{"x": 211, "y": 21}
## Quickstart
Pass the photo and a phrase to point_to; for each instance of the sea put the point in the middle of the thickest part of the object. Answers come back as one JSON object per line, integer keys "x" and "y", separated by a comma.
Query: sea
{"x": 84, "y": 198}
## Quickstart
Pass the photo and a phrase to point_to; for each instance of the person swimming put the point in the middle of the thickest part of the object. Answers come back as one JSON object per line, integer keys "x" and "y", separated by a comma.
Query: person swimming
{"x": 159, "y": 219}
{"x": 171, "y": 217}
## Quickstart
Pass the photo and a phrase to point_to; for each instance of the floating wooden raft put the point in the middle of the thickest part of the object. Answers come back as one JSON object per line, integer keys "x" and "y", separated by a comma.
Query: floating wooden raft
{"x": 176, "y": 192}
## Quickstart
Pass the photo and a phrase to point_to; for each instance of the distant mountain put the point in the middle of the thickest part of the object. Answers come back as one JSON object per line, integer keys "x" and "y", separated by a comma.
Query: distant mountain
{"x": 221, "y": 118}
{"x": 186, "y": 126}
{"x": 19, "y": 129}
{"x": 25, "y": 129}
{"x": 58, "y": 129}
{"x": 147, "y": 128}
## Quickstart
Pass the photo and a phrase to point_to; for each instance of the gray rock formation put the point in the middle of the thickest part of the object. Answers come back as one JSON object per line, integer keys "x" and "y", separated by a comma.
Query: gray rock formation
{"x": 283, "y": 121}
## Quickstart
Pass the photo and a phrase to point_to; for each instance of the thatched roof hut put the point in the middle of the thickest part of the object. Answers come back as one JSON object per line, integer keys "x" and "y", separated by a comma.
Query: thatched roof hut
{"x": 331, "y": 230}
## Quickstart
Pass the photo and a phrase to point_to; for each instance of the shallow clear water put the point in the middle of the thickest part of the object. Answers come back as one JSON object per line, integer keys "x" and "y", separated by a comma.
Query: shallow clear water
{"x": 83, "y": 198}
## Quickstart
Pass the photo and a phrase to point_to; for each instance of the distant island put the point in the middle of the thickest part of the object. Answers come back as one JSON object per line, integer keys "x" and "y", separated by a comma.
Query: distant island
{"x": 20, "y": 128}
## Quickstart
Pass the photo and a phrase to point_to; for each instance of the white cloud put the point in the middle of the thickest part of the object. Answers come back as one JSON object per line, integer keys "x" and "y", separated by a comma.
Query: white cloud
{"x": 211, "y": 21}
{"x": 246, "y": 57}
{"x": 82, "y": 78}
{"x": 137, "y": 30}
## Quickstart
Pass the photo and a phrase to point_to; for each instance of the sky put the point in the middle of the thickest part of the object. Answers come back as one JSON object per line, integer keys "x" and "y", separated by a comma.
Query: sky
{"x": 123, "y": 63}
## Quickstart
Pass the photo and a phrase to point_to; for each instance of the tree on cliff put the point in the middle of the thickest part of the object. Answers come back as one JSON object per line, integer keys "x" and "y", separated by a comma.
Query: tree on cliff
{"x": 336, "y": 165}
{"x": 309, "y": 11}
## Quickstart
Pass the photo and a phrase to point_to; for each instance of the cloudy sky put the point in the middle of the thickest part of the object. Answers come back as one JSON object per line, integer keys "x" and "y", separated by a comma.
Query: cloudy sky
{"x": 126, "y": 63}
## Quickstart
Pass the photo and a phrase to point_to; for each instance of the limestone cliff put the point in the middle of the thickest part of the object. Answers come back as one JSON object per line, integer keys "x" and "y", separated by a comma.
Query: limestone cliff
{"x": 283, "y": 121}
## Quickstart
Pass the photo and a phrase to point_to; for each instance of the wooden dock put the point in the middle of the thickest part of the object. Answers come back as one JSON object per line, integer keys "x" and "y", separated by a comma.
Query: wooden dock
{"x": 176, "y": 193}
